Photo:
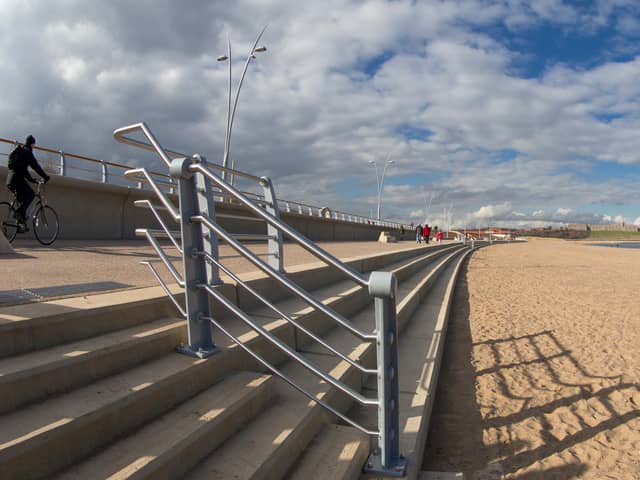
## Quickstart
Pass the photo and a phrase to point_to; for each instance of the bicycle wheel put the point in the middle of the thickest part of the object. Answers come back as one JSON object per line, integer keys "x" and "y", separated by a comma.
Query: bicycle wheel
{"x": 46, "y": 225}
{"x": 9, "y": 224}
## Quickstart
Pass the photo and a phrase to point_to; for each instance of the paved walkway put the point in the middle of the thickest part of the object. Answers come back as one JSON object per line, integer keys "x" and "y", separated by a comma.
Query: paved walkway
{"x": 78, "y": 267}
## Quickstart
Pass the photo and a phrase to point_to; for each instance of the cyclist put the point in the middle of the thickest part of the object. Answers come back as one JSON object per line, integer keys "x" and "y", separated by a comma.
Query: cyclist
{"x": 19, "y": 162}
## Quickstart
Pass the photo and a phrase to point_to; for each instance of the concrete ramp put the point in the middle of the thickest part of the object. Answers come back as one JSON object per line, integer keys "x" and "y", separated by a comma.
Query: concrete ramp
{"x": 5, "y": 246}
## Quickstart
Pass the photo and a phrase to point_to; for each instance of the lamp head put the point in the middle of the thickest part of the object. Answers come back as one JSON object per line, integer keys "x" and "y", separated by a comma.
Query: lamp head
{"x": 222, "y": 58}
{"x": 260, "y": 49}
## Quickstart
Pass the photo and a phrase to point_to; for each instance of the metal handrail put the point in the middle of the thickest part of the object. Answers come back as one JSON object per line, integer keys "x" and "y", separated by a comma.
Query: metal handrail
{"x": 173, "y": 154}
{"x": 288, "y": 379}
{"x": 276, "y": 310}
{"x": 161, "y": 196}
{"x": 282, "y": 279}
{"x": 158, "y": 249}
{"x": 165, "y": 287}
{"x": 200, "y": 233}
{"x": 168, "y": 233}
{"x": 361, "y": 399}
{"x": 79, "y": 157}
{"x": 166, "y": 155}
{"x": 290, "y": 232}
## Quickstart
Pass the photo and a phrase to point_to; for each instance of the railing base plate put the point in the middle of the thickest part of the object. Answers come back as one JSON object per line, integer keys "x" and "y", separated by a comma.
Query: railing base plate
{"x": 374, "y": 466}
{"x": 200, "y": 353}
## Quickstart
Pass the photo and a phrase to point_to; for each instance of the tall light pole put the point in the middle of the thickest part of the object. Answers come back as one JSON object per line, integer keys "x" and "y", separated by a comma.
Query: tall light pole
{"x": 231, "y": 112}
{"x": 380, "y": 180}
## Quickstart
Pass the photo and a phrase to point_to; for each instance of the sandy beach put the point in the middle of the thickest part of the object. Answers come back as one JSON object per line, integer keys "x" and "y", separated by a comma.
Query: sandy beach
{"x": 541, "y": 371}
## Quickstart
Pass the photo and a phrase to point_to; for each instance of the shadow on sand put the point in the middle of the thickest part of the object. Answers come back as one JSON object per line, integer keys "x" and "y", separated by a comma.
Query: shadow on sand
{"x": 456, "y": 441}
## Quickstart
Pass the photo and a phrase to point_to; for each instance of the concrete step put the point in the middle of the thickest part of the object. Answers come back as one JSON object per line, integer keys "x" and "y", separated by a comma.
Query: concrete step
{"x": 175, "y": 442}
{"x": 34, "y": 326}
{"x": 416, "y": 345}
{"x": 337, "y": 452}
{"x": 279, "y": 436}
{"x": 419, "y": 355}
{"x": 38, "y": 440}
{"x": 84, "y": 418}
{"x": 33, "y": 376}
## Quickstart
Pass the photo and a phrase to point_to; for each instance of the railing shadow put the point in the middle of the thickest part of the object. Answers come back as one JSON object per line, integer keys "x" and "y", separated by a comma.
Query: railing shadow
{"x": 457, "y": 438}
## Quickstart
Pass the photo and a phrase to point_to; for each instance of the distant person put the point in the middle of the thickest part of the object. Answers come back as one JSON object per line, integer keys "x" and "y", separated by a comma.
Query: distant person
{"x": 439, "y": 236}
{"x": 426, "y": 232}
{"x": 419, "y": 234}
{"x": 20, "y": 160}
{"x": 401, "y": 232}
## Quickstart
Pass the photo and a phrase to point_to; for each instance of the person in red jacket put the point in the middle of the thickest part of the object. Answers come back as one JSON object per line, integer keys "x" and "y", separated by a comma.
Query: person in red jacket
{"x": 426, "y": 231}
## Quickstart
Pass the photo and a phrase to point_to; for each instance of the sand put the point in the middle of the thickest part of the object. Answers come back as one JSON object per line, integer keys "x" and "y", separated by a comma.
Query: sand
{"x": 541, "y": 371}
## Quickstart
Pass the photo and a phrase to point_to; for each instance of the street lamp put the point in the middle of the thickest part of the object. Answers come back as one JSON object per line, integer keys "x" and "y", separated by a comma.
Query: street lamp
{"x": 380, "y": 180}
{"x": 232, "y": 112}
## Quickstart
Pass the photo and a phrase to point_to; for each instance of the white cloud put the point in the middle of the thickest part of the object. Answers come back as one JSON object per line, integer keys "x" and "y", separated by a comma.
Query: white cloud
{"x": 338, "y": 82}
{"x": 491, "y": 211}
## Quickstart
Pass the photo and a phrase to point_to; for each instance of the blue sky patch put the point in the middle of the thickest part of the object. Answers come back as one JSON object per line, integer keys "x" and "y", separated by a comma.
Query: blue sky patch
{"x": 598, "y": 171}
{"x": 539, "y": 48}
{"x": 413, "y": 133}
{"x": 371, "y": 67}
{"x": 607, "y": 117}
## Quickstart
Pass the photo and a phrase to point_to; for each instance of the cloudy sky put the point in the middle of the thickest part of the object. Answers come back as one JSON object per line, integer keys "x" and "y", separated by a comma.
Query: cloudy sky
{"x": 504, "y": 112}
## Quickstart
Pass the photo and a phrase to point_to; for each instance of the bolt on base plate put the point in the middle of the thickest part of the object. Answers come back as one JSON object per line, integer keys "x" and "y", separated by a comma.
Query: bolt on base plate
{"x": 374, "y": 465}
{"x": 200, "y": 353}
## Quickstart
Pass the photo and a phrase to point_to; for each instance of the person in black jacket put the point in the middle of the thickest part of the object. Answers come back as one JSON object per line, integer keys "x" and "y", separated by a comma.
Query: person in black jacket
{"x": 19, "y": 175}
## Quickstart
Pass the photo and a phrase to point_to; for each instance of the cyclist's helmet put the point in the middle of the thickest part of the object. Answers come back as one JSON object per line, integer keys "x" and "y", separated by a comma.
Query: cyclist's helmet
{"x": 30, "y": 140}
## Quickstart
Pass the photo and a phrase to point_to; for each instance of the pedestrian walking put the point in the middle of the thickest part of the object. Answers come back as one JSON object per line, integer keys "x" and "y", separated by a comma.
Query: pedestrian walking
{"x": 426, "y": 233}
{"x": 419, "y": 234}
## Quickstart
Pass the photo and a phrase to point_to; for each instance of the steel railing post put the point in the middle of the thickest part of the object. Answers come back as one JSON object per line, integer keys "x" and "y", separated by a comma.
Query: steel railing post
{"x": 105, "y": 177}
{"x": 386, "y": 459}
{"x": 195, "y": 268}
{"x": 274, "y": 243}
{"x": 63, "y": 166}
{"x": 206, "y": 206}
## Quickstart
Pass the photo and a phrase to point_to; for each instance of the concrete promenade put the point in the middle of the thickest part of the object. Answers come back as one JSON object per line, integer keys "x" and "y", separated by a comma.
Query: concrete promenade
{"x": 72, "y": 267}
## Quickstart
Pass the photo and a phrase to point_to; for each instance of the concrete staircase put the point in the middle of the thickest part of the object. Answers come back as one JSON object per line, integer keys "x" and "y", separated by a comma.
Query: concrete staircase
{"x": 92, "y": 387}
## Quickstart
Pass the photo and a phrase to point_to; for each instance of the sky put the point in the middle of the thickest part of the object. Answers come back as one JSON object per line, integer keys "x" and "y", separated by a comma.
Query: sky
{"x": 494, "y": 112}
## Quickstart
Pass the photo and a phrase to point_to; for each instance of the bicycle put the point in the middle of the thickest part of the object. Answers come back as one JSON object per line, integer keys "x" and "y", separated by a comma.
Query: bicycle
{"x": 44, "y": 218}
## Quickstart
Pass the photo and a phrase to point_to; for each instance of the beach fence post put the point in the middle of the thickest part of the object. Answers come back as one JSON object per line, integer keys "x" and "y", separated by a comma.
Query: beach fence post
{"x": 386, "y": 458}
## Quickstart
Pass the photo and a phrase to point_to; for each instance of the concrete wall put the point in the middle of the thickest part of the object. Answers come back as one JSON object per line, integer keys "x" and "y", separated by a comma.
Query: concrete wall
{"x": 96, "y": 211}
{"x": 612, "y": 227}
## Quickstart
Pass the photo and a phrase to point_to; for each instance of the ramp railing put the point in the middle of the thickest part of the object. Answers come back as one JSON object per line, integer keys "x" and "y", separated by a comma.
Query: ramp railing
{"x": 197, "y": 241}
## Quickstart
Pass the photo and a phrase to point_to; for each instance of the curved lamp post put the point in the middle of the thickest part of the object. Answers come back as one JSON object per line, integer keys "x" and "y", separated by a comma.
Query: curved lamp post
{"x": 231, "y": 112}
{"x": 380, "y": 180}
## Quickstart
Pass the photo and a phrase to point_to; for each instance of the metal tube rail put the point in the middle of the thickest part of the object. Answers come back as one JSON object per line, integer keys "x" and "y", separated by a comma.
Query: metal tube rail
{"x": 73, "y": 155}
{"x": 238, "y": 217}
{"x": 284, "y": 315}
{"x": 156, "y": 246}
{"x": 165, "y": 288}
{"x": 289, "y": 380}
{"x": 282, "y": 279}
{"x": 290, "y": 232}
{"x": 361, "y": 399}
{"x": 164, "y": 227}
{"x": 154, "y": 146}
{"x": 252, "y": 236}
{"x": 161, "y": 196}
